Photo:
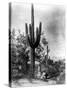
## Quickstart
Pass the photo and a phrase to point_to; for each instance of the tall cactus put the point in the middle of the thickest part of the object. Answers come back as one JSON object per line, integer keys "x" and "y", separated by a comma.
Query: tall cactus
{"x": 32, "y": 40}
{"x": 47, "y": 54}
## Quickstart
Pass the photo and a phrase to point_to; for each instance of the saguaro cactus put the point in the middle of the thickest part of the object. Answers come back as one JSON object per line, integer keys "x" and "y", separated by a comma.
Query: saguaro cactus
{"x": 47, "y": 54}
{"x": 32, "y": 40}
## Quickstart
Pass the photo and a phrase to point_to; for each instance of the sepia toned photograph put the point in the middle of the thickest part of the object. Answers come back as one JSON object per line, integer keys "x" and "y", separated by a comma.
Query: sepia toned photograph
{"x": 36, "y": 44}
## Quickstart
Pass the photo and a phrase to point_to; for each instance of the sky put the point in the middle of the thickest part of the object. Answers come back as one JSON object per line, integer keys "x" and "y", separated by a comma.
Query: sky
{"x": 53, "y": 23}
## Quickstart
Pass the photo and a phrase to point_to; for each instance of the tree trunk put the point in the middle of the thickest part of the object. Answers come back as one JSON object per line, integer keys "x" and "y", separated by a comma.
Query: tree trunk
{"x": 32, "y": 68}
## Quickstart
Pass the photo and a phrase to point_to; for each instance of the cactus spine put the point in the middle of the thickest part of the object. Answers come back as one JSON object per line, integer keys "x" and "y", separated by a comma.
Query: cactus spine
{"x": 32, "y": 40}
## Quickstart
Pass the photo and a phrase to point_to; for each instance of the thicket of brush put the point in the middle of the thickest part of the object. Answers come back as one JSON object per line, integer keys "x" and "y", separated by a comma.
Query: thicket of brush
{"x": 20, "y": 55}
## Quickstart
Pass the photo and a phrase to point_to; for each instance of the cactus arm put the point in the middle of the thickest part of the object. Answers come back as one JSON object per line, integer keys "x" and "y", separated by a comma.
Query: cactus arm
{"x": 38, "y": 34}
{"x": 36, "y": 41}
{"x": 26, "y": 28}
{"x": 30, "y": 43}
{"x": 30, "y": 35}
{"x": 40, "y": 28}
{"x": 30, "y": 30}
{"x": 27, "y": 36}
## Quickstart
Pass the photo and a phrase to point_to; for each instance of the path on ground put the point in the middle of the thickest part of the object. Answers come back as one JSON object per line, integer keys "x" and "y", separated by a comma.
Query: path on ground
{"x": 30, "y": 83}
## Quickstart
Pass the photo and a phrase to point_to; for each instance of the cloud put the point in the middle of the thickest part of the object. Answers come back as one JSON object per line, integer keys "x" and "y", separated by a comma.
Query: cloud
{"x": 54, "y": 27}
{"x": 55, "y": 23}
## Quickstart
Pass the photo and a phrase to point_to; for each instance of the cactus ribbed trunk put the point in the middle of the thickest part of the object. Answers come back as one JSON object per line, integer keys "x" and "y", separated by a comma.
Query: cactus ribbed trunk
{"x": 32, "y": 68}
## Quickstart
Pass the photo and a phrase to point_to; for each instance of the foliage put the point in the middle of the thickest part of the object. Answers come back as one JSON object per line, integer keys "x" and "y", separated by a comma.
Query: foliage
{"x": 20, "y": 55}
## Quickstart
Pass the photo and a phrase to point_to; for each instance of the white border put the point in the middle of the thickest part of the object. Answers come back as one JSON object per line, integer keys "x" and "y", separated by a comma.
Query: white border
{"x": 4, "y": 42}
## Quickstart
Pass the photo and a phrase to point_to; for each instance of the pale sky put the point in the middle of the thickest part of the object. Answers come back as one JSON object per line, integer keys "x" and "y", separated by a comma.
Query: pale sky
{"x": 53, "y": 23}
